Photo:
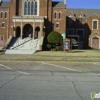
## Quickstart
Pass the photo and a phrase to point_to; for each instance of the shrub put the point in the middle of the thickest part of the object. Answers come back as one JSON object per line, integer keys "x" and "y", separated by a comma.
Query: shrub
{"x": 54, "y": 37}
{"x": 57, "y": 48}
{"x": 49, "y": 46}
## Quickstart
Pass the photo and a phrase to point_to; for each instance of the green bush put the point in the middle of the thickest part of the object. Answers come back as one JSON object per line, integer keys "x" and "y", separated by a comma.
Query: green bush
{"x": 54, "y": 37}
{"x": 57, "y": 48}
{"x": 49, "y": 46}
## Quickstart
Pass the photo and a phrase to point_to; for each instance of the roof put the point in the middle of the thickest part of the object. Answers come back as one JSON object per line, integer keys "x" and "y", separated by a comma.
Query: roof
{"x": 86, "y": 12}
{"x": 57, "y": 4}
{"x": 4, "y": 4}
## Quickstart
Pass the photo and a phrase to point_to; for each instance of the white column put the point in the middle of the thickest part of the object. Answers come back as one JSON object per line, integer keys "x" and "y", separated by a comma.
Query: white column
{"x": 21, "y": 30}
{"x": 33, "y": 29}
{"x": 14, "y": 28}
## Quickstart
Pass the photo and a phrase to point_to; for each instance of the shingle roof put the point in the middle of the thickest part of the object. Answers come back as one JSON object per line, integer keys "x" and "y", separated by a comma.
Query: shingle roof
{"x": 4, "y": 4}
{"x": 86, "y": 12}
{"x": 57, "y": 4}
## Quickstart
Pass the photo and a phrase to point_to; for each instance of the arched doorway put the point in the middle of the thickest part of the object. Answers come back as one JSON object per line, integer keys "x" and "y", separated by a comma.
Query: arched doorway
{"x": 27, "y": 31}
{"x": 18, "y": 31}
{"x": 95, "y": 42}
{"x": 37, "y": 30}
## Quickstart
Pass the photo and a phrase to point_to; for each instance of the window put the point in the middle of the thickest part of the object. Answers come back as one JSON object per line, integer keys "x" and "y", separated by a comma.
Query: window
{"x": 35, "y": 12}
{"x": 3, "y": 24}
{"x": 57, "y": 25}
{"x": 5, "y": 14}
{"x": 60, "y": 15}
{"x": 80, "y": 20}
{"x": 1, "y": 15}
{"x": 81, "y": 45}
{"x": 70, "y": 31}
{"x": 25, "y": 8}
{"x": 55, "y": 15}
{"x": 30, "y": 7}
{"x": 95, "y": 24}
{"x": 80, "y": 32}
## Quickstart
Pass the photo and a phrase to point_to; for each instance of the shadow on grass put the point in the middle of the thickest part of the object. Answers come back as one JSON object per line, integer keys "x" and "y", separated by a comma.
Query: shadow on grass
{"x": 2, "y": 52}
{"x": 76, "y": 51}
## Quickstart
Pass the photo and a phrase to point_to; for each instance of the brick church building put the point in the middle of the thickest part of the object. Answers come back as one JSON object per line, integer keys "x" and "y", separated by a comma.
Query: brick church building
{"x": 35, "y": 19}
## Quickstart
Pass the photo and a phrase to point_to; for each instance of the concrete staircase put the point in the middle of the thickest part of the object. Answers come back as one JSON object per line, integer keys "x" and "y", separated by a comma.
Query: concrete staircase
{"x": 23, "y": 46}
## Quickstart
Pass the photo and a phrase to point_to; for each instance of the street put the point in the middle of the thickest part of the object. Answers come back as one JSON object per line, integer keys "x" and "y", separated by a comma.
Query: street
{"x": 49, "y": 80}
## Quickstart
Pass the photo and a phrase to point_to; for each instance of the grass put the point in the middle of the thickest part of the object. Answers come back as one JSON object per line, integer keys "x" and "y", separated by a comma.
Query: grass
{"x": 73, "y": 55}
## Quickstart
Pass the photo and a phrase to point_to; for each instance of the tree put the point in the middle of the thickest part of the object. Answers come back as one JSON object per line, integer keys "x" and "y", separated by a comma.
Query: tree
{"x": 54, "y": 38}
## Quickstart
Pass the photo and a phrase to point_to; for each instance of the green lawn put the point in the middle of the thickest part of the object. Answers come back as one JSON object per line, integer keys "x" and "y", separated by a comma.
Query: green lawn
{"x": 74, "y": 55}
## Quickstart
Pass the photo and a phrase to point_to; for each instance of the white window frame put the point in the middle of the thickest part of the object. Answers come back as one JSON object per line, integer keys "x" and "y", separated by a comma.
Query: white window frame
{"x": 38, "y": 8}
{"x": 58, "y": 25}
{"x": 97, "y": 24}
{"x": 54, "y": 15}
{"x": 78, "y": 34}
{"x": 60, "y": 15}
{"x": 2, "y": 14}
{"x": 5, "y": 14}
{"x": 3, "y": 23}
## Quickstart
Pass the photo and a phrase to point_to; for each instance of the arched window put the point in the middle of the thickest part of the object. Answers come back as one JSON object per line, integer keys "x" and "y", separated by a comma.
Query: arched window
{"x": 35, "y": 11}
{"x": 25, "y": 8}
{"x": 5, "y": 14}
{"x": 28, "y": 8}
{"x": 60, "y": 15}
{"x": 55, "y": 15}
{"x": 31, "y": 7}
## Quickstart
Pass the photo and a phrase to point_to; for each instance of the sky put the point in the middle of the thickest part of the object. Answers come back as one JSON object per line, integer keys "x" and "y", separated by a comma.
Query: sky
{"x": 86, "y": 4}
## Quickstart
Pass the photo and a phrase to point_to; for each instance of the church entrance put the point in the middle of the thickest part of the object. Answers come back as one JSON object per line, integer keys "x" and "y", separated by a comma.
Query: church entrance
{"x": 18, "y": 31}
{"x": 95, "y": 43}
{"x": 27, "y": 31}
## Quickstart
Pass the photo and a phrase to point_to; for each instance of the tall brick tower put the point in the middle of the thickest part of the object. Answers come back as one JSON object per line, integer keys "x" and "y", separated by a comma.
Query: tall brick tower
{"x": 12, "y": 13}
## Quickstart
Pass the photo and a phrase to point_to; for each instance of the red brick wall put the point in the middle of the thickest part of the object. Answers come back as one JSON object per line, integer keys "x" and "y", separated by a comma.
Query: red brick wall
{"x": 62, "y": 21}
{"x": 12, "y": 13}
{"x": 4, "y": 30}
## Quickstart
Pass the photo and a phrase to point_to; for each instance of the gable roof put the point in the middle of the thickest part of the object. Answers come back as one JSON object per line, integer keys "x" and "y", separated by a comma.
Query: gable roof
{"x": 86, "y": 12}
{"x": 4, "y": 4}
{"x": 57, "y": 4}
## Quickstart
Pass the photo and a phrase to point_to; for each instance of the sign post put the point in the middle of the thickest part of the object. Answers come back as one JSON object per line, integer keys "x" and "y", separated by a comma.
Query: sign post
{"x": 64, "y": 50}
{"x": 64, "y": 37}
